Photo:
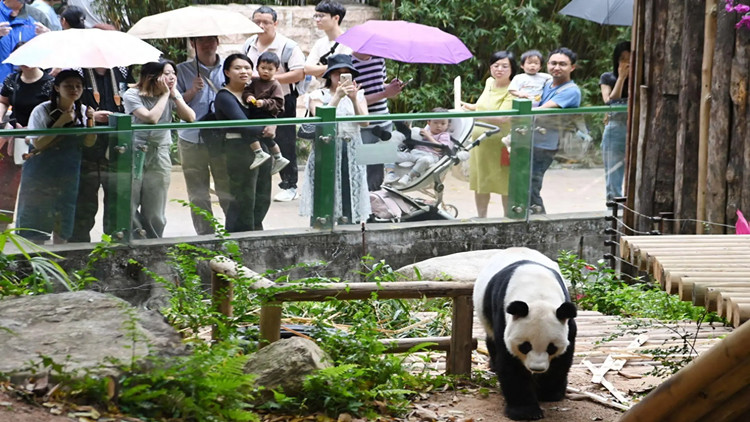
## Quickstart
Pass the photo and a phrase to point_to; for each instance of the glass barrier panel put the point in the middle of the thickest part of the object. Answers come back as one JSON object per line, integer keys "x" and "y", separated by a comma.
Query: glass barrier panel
{"x": 427, "y": 181}
{"x": 567, "y": 170}
{"x": 55, "y": 193}
{"x": 186, "y": 188}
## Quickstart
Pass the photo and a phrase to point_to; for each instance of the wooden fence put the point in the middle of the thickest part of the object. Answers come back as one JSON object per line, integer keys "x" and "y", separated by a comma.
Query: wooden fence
{"x": 458, "y": 346}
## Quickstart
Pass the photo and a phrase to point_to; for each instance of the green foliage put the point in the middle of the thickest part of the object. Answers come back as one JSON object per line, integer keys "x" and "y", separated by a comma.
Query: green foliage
{"x": 515, "y": 25}
{"x": 598, "y": 288}
{"x": 207, "y": 385}
{"x": 32, "y": 270}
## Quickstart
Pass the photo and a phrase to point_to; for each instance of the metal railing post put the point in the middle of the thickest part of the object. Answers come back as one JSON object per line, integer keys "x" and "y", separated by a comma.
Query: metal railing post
{"x": 324, "y": 187}
{"x": 520, "y": 161}
{"x": 120, "y": 177}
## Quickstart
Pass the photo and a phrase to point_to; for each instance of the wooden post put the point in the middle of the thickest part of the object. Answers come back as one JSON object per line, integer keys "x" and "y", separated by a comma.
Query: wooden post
{"x": 459, "y": 356}
{"x": 222, "y": 294}
{"x": 718, "y": 131}
{"x": 737, "y": 167}
{"x": 270, "y": 323}
{"x": 709, "y": 42}
{"x": 686, "y": 176}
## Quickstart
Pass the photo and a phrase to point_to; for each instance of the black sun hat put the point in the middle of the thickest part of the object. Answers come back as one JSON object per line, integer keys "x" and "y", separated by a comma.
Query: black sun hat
{"x": 340, "y": 61}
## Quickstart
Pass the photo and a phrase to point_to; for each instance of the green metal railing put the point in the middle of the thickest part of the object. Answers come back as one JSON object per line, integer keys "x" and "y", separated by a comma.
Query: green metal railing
{"x": 122, "y": 156}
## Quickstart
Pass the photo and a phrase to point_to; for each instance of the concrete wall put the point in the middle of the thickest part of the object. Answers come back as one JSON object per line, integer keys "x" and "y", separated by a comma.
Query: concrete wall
{"x": 398, "y": 244}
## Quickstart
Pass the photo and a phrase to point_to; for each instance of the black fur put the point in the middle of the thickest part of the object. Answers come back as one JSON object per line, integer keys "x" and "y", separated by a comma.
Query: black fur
{"x": 523, "y": 390}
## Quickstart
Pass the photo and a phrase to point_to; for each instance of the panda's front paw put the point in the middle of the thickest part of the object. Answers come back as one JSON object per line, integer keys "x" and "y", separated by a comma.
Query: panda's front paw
{"x": 524, "y": 413}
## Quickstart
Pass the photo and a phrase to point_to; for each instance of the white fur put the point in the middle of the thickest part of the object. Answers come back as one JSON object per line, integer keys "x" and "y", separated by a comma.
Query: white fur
{"x": 540, "y": 290}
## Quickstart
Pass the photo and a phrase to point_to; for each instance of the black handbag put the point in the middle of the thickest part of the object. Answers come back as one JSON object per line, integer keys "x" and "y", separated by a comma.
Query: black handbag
{"x": 306, "y": 130}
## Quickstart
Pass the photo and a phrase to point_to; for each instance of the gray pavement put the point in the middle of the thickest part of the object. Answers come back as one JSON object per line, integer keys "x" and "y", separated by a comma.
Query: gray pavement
{"x": 564, "y": 191}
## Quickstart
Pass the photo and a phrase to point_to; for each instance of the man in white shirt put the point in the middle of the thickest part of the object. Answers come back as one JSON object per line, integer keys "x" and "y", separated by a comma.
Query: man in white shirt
{"x": 328, "y": 16}
{"x": 290, "y": 72}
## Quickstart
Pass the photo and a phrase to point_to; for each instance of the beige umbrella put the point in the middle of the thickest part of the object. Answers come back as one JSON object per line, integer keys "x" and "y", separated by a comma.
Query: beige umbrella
{"x": 83, "y": 48}
{"x": 193, "y": 21}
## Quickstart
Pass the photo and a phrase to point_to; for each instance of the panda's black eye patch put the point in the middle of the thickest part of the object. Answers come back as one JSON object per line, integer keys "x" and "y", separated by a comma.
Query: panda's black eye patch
{"x": 525, "y": 347}
{"x": 551, "y": 349}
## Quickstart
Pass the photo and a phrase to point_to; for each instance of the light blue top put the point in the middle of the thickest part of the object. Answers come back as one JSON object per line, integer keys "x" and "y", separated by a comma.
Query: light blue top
{"x": 567, "y": 95}
{"x": 186, "y": 72}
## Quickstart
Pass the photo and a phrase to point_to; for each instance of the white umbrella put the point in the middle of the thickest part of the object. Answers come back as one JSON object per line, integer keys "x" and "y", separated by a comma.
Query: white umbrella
{"x": 604, "y": 12}
{"x": 83, "y": 48}
{"x": 193, "y": 21}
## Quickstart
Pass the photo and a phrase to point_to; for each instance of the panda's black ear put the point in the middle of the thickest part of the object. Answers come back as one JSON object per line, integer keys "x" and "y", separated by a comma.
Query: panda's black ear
{"x": 566, "y": 311}
{"x": 518, "y": 309}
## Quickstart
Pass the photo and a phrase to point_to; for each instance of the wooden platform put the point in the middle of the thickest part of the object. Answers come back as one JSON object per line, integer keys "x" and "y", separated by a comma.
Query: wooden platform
{"x": 712, "y": 271}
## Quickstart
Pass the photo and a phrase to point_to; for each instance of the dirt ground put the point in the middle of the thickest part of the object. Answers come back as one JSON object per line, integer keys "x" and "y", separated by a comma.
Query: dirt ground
{"x": 471, "y": 405}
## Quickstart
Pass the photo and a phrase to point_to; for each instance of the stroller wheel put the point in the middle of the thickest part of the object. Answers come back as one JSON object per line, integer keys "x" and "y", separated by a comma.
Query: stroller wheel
{"x": 450, "y": 209}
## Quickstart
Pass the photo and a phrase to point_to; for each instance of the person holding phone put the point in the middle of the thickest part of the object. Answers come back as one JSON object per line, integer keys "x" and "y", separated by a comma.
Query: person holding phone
{"x": 351, "y": 197}
{"x": 50, "y": 177}
{"x": 152, "y": 100}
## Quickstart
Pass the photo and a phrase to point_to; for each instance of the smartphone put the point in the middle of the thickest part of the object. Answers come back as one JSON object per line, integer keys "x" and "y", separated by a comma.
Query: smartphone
{"x": 345, "y": 77}
{"x": 55, "y": 114}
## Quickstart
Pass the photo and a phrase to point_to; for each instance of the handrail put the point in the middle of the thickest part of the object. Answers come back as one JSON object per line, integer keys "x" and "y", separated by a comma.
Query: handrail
{"x": 315, "y": 120}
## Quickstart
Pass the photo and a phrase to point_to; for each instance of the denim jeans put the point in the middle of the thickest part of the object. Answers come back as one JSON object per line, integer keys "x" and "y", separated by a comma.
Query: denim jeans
{"x": 540, "y": 162}
{"x": 613, "y": 153}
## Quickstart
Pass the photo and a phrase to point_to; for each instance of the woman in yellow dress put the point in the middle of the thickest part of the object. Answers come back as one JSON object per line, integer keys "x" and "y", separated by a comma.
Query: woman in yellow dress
{"x": 488, "y": 170}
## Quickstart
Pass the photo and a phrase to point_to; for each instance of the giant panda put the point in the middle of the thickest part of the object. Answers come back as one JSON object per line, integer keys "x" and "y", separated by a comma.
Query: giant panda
{"x": 525, "y": 308}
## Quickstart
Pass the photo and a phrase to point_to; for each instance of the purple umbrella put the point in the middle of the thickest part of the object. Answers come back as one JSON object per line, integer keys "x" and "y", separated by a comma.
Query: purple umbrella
{"x": 406, "y": 42}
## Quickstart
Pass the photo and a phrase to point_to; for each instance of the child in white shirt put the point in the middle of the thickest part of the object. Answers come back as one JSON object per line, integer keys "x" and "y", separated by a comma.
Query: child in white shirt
{"x": 530, "y": 83}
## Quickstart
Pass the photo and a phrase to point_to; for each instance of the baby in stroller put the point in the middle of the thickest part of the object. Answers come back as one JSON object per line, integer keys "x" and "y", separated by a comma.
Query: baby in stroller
{"x": 421, "y": 157}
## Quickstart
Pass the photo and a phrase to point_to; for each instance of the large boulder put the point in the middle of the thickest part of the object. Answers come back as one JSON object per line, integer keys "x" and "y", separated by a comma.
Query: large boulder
{"x": 462, "y": 266}
{"x": 286, "y": 363}
{"x": 80, "y": 330}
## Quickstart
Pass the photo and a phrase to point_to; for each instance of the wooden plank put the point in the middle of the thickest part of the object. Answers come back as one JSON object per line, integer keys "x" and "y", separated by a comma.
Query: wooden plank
{"x": 401, "y": 345}
{"x": 270, "y": 323}
{"x": 358, "y": 291}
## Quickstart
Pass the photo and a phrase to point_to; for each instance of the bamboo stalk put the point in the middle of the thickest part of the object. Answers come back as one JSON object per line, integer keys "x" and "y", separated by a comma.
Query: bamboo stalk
{"x": 709, "y": 41}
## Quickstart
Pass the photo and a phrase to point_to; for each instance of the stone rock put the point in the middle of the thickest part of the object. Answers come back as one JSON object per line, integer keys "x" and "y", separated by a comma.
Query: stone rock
{"x": 80, "y": 330}
{"x": 286, "y": 363}
{"x": 462, "y": 266}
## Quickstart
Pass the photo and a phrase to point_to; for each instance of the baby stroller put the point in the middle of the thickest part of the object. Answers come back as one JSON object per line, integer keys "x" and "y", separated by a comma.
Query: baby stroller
{"x": 392, "y": 203}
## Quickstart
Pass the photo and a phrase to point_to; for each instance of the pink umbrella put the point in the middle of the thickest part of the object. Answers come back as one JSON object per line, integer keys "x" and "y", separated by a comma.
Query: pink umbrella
{"x": 406, "y": 42}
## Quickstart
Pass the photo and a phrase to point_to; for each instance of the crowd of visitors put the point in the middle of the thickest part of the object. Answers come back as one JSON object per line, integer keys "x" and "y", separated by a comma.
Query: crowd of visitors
{"x": 61, "y": 177}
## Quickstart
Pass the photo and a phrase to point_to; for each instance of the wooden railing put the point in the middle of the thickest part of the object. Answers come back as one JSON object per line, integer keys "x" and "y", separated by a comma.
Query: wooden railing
{"x": 458, "y": 346}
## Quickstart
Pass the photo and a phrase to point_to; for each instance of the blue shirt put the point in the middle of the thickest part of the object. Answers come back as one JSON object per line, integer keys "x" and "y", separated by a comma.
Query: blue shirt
{"x": 22, "y": 29}
{"x": 567, "y": 95}
{"x": 186, "y": 72}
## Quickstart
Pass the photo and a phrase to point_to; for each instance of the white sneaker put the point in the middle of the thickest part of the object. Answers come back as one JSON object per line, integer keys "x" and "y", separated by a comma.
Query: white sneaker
{"x": 278, "y": 164}
{"x": 390, "y": 177}
{"x": 286, "y": 195}
{"x": 260, "y": 158}
{"x": 404, "y": 180}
